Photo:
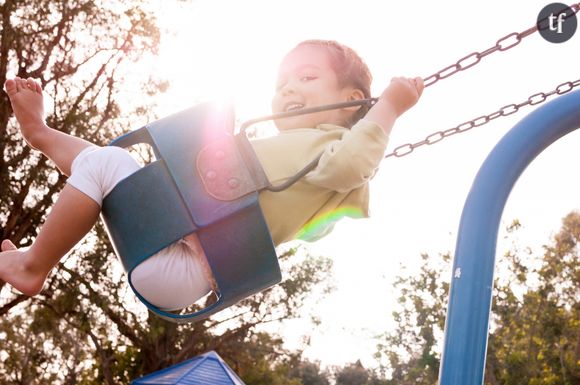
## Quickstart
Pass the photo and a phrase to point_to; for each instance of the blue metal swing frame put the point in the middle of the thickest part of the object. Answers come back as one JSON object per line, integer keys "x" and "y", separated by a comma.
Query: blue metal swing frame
{"x": 466, "y": 327}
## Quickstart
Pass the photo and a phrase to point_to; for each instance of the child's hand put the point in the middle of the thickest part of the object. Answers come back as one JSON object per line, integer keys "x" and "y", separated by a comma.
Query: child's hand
{"x": 398, "y": 97}
{"x": 403, "y": 93}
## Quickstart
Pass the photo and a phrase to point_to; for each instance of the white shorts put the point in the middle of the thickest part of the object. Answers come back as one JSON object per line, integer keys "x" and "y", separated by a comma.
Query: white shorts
{"x": 172, "y": 279}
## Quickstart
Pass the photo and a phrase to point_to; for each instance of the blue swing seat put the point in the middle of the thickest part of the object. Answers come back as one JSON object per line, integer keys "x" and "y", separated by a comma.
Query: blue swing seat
{"x": 205, "y": 181}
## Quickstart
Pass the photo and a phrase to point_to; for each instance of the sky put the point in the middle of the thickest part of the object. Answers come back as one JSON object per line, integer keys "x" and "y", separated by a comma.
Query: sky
{"x": 231, "y": 49}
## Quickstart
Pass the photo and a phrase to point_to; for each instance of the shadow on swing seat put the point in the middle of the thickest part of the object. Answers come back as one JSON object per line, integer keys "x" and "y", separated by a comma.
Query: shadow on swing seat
{"x": 204, "y": 180}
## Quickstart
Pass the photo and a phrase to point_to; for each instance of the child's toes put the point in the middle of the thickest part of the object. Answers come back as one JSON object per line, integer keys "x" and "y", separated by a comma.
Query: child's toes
{"x": 38, "y": 86}
{"x": 32, "y": 85}
{"x": 8, "y": 245}
{"x": 10, "y": 87}
{"x": 22, "y": 84}
{"x": 19, "y": 84}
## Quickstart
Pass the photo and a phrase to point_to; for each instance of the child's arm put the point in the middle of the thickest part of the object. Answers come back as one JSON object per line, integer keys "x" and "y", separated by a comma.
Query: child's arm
{"x": 398, "y": 97}
{"x": 350, "y": 162}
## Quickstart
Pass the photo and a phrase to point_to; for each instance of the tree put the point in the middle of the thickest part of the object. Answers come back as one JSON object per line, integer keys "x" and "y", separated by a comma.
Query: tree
{"x": 79, "y": 50}
{"x": 412, "y": 350}
{"x": 354, "y": 374}
{"x": 310, "y": 373}
{"x": 534, "y": 335}
{"x": 357, "y": 374}
{"x": 86, "y": 327}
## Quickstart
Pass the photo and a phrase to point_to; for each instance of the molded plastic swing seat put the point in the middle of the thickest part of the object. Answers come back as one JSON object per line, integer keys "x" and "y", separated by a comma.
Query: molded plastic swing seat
{"x": 166, "y": 200}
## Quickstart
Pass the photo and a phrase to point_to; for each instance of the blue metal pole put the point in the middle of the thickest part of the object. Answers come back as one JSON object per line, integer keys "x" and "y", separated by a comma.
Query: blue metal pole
{"x": 466, "y": 329}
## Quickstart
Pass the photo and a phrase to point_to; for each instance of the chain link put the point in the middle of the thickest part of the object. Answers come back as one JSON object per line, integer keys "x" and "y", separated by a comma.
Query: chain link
{"x": 505, "y": 43}
{"x": 468, "y": 61}
{"x": 506, "y": 110}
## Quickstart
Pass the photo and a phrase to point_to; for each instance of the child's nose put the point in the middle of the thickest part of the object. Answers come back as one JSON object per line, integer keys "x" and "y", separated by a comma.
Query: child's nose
{"x": 289, "y": 88}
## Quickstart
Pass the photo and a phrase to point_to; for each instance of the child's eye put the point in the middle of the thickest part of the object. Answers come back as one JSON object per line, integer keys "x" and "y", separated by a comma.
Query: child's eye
{"x": 307, "y": 78}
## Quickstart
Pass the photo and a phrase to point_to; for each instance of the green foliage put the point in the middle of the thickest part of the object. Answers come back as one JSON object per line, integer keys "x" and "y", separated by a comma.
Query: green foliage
{"x": 310, "y": 373}
{"x": 354, "y": 374}
{"x": 535, "y": 337}
{"x": 535, "y": 318}
{"x": 412, "y": 349}
{"x": 86, "y": 327}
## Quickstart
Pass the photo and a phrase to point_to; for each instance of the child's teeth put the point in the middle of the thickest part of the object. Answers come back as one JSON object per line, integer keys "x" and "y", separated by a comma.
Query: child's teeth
{"x": 294, "y": 107}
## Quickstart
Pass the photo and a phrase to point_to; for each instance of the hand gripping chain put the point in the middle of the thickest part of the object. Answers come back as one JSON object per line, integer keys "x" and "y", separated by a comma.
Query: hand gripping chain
{"x": 503, "y": 44}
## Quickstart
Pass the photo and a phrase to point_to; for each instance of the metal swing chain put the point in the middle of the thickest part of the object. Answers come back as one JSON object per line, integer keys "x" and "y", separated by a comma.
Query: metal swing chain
{"x": 506, "y": 110}
{"x": 503, "y": 44}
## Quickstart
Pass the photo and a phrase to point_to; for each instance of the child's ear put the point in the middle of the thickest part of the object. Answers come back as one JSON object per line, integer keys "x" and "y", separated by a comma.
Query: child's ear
{"x": 354, "y": 94}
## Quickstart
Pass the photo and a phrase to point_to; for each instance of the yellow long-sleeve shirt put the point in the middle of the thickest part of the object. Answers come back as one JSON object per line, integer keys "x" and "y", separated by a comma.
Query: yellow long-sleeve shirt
{"x": 350, "y": 158}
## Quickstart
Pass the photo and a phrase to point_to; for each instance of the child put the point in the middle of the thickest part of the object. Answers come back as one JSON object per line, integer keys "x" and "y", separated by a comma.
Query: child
{"x": 314, "y": 73}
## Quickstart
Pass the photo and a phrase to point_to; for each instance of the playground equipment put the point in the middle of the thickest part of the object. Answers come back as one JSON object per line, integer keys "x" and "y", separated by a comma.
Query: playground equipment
{"x": 466, "y": 329}
{"x": 206, "y": 369}
{"x": 205, "y": 180}
{"x": 248, "y": 263}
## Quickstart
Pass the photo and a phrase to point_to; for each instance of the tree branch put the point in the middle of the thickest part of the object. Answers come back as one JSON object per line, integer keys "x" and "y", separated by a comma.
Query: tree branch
{"x": 124, "y": 327}
{"x": 17, "y": 300}
{"x": 60, "y": 27}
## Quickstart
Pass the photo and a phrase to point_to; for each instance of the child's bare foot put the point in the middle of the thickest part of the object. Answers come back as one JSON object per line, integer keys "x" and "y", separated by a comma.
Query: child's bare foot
{"x": 14, "y": 270}
{"x": 28, "y": 106}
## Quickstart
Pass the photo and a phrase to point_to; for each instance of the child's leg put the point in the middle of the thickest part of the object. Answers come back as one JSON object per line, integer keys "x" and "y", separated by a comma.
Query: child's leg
{"x": 74, "y": 213}
{"x": 77, "y": 208}
{"x": 70, "y": 219}
{"x": 27, "y": 103}
{"x": 96, "y": 172}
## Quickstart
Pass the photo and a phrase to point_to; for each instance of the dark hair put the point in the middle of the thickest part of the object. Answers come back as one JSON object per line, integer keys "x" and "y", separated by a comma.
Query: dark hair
{"x": 350, "y": 69}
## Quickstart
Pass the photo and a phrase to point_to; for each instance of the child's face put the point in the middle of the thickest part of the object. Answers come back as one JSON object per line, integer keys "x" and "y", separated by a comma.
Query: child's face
{"x": 306, "y": 79}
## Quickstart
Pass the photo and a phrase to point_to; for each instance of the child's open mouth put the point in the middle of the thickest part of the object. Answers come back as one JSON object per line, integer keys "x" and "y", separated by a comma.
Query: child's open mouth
{"x": 293, "y": 106}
